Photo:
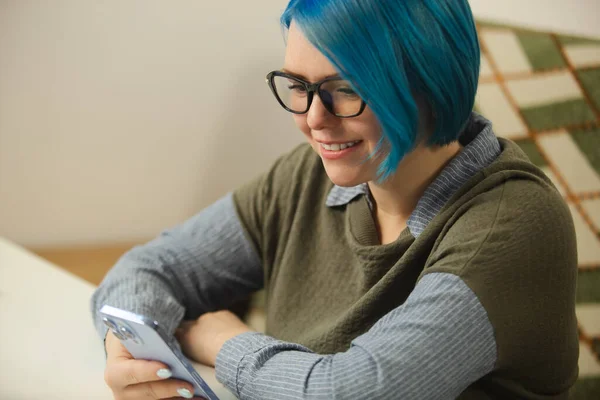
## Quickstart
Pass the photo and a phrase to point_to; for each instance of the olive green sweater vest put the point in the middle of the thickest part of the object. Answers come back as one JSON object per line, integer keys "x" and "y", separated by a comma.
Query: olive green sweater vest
{"x": 506, "y": 233}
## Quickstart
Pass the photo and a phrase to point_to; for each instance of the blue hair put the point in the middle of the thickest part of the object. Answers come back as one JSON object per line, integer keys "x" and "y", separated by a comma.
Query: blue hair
{"x": 390, "y": 50}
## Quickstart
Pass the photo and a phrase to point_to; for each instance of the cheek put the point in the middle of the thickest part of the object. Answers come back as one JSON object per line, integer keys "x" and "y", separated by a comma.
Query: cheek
{"x": 366, "y": 127}
{"x": 370, "y": 123}
{"x": 300, "y": 121}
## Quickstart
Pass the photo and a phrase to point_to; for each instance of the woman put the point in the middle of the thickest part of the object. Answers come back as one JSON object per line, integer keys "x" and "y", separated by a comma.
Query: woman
{"x": 406, "y": 252}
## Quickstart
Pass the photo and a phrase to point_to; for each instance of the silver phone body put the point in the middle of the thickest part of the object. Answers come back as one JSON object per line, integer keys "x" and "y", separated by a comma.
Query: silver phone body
{"x": 145, "y": 340}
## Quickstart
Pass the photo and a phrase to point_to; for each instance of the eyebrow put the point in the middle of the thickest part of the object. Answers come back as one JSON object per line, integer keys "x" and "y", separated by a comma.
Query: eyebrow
{"x": 287, "y": 71}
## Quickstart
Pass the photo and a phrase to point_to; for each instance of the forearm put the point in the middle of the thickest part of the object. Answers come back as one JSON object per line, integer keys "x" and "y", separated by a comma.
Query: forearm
{"x": 202, "y": 265}
{"x": 433, "y": 346}
{"x": 141, "y": 284}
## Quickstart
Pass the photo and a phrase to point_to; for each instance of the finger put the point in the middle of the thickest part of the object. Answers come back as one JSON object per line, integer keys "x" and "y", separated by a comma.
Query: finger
{"x": 179, "y": 398}
{"x": 186, "y": 324}
{"x": 122, "y": 373}
{"x": 115, "y": 349}
{"x": 183, "y": 328}
{"x": 159, "y": 390}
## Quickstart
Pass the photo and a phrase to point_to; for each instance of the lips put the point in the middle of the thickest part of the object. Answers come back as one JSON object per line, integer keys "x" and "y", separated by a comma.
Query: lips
{"x": 336, "y": 151}
{"x": 338, "y": 146}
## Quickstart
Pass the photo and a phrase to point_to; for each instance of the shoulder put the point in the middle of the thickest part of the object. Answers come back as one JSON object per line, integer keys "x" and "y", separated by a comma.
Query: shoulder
{"x": 518, "y": 216}
{"x": 510, "y": 205}
{"x": 514, "y": 246}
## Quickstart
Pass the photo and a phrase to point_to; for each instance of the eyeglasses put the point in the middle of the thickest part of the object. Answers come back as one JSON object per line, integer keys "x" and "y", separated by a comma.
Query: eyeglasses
{"x": 296, "y": 95}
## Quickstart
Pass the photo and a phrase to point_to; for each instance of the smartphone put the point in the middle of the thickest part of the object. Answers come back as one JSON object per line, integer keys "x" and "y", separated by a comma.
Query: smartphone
{"x": 146, "y": 340}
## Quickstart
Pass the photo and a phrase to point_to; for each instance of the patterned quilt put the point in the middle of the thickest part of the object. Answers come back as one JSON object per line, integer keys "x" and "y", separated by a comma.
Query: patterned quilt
{"x": 542, "y": 90}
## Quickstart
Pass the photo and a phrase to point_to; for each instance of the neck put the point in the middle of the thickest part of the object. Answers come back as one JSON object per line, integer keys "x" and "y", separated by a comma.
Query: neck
{"x": 396, "y": 198}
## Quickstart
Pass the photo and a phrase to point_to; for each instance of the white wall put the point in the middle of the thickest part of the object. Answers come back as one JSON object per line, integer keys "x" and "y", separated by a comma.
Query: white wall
{"x": 120, "y": 118}
{"x": 578, "y": 17}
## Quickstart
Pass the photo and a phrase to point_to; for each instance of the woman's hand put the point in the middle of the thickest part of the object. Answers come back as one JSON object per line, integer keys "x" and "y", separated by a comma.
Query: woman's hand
{"x": 131, "y": 379}
{"x": 202, "y": 339}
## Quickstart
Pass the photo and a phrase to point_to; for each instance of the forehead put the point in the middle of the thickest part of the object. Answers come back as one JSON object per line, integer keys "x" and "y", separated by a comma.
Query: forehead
{"x": 302, "y": 58}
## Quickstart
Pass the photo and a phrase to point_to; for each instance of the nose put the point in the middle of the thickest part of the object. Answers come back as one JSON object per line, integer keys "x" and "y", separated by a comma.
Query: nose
{"x": 317, "y": 116}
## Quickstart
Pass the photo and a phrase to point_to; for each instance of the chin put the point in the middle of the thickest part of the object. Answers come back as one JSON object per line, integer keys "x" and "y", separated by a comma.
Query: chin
{"x": 344, "y": 177}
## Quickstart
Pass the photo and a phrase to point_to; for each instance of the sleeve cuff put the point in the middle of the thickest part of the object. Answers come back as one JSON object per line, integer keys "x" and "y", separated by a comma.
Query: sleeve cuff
{"x": 229, "y": 365}
{"x": 232, "y": 353}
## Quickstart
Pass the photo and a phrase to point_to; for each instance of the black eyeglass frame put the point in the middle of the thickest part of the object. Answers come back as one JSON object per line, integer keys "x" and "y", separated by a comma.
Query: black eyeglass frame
{"x": 311, "y": 89}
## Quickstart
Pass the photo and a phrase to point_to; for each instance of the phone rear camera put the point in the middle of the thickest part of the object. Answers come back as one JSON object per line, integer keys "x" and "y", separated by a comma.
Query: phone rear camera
{"x": 109, "y": 323}
{"x": 114, "y": 328}
{"x": 127, "y": 333}
{"x": 118, "y": 334}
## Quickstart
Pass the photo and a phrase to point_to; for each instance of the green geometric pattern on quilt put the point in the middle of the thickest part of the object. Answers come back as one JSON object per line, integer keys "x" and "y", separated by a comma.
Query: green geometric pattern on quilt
{"x": 588, "y": 142}
{"x": 541, "y": 50}
{"x": 589, "y": 80}
{"x": 532, "y": 151}
{"x": 587, "y": 286}
{"x": 551, "y": 116}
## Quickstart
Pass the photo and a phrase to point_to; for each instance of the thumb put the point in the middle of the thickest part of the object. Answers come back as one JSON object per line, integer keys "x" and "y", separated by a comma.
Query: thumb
{"x": 115, "y": 349}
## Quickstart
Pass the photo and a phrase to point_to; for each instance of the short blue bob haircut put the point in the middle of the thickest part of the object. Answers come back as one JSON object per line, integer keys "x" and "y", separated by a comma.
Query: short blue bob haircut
{"x": 390, "y": 50}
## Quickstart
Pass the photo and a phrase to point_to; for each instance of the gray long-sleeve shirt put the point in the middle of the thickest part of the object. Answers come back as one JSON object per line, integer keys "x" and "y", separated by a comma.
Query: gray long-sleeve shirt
{"x": 441, "y": 331}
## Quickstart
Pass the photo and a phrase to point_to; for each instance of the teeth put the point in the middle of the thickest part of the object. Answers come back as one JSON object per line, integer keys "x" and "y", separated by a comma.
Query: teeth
{"x": 338, "y": 147}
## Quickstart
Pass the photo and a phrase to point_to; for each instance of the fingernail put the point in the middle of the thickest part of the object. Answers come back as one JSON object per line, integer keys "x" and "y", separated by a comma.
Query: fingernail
{"x": 164, "y": 373}
{"x": 185, "y": 393}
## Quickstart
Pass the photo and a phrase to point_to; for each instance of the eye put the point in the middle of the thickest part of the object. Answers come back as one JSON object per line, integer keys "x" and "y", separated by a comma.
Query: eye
{"x": 296, "y": 87}
{"x": 347, "y": 92}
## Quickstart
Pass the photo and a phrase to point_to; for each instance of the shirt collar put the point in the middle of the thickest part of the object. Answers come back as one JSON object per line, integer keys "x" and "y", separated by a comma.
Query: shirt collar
{"x": 481, "y": 149}
{"x": 340, "y": 196}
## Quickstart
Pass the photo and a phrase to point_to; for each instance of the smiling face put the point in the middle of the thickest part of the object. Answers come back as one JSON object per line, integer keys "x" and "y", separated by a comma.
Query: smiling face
{"x": 344, "y": 144}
